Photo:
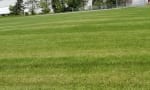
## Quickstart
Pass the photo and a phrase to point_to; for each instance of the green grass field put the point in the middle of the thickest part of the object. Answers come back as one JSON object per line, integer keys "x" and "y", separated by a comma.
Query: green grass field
{"x": 98, "y": 50}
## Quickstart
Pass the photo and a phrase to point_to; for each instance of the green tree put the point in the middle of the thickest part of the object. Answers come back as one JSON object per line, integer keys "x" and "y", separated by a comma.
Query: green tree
{"x": 58, "y": 5}
{"x": 45, "y": 6}
{"x": 74, "y": 5}
{"x": 18, "y": 8}
{"x": 67, "y": 5}
{"x": 98, "y": 3}
{"x": 111, "y": 3}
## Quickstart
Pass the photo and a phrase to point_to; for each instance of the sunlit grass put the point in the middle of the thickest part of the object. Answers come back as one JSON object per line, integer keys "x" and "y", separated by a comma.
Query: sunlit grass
{"x": 98, "y": 50}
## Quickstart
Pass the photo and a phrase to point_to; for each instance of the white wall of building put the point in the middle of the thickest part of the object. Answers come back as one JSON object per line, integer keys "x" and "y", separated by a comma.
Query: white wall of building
{"x": 139, "y": 2}
{"x": 88, "y": 5}
{"x": 4, "y": 10}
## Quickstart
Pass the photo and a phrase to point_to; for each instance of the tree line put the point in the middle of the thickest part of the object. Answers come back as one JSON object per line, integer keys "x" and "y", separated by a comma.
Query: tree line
{"x": 58, "y": 6}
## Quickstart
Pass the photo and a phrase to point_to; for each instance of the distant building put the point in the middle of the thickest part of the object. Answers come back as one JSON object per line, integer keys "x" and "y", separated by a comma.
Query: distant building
{"x": 137, "y": 2}
{"x": 124, "y": 2}
{"x": 4, "y": 6}
{"x": 88, "y": 4}
{"x": 4, "y": 10}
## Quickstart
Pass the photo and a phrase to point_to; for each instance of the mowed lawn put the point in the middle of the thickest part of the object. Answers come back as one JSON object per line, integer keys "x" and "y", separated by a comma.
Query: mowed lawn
{"x": 93, "y": 50}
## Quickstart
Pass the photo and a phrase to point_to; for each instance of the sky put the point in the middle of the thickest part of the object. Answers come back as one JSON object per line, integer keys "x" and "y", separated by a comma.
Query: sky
{"x": 6, "y": 3}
